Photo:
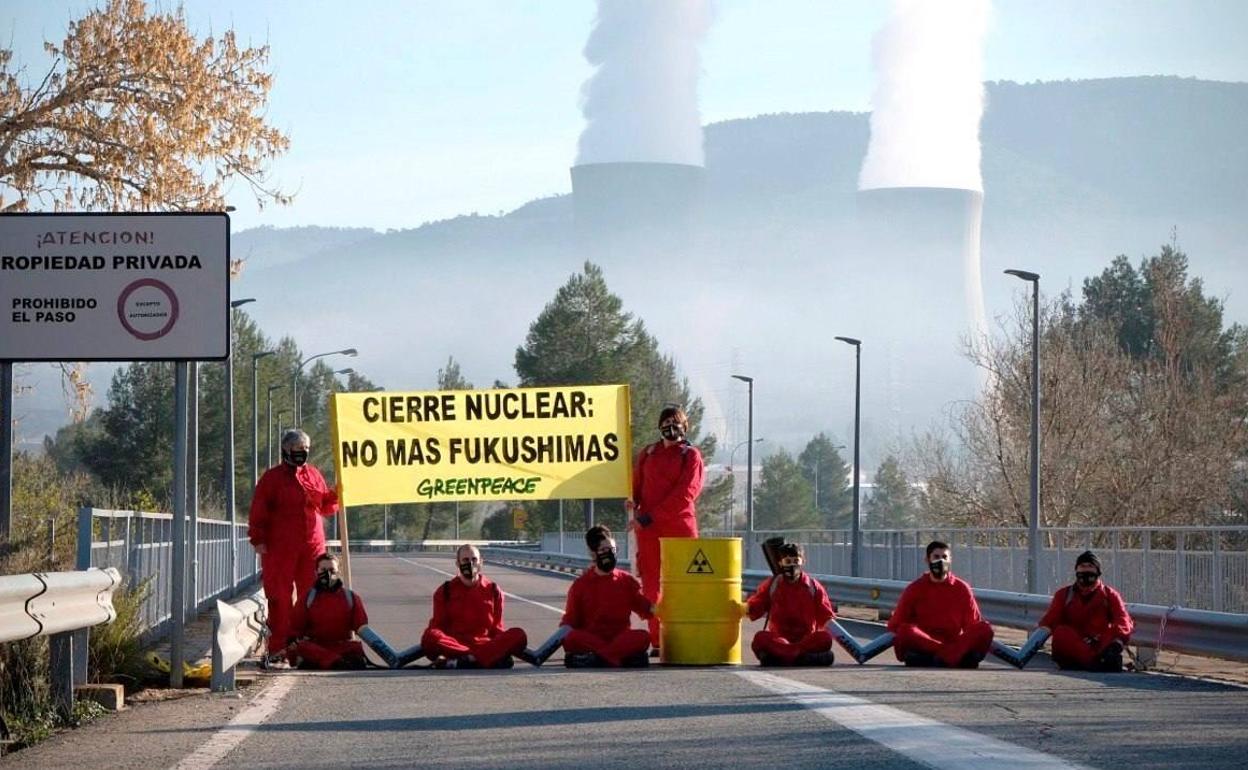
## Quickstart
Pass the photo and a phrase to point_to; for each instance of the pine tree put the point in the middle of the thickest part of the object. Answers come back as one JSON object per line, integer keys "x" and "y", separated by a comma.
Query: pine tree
{"x": 893, "y": 503}
{"x": 784, "y": 498}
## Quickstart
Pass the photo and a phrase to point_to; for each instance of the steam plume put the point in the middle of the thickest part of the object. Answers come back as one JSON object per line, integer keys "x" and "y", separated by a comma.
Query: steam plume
{"x": 641, "y": 105}
{"x": 929, "y": 96}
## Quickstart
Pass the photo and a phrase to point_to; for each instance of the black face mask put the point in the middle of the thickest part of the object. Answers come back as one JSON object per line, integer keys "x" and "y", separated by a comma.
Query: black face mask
{"x": 939, "y": 568}
{"x": 296, "y": 458}
{"x": 328, "y": 581}
{"x": 1086, "y": 579}
{"x": 671, "y": 432}
{"x": 605, "y": 560}
{"x": 791, "y": 572}
{"x": 468, "y": 569}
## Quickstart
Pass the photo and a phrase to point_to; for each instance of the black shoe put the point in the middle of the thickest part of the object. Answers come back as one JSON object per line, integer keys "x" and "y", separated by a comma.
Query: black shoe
{"x": 582, "y": 660}
{"x": 1111, "y": 660}
{"x": 654, "y": 652}
{"x": 769, "y": 660}
{"x": 815, "y": 659}
{"x": 970, "y": 660}
{"x": 350, "y": 663}
{"x": 504, "y": 662}
{"x": 638, "y": 660}
{"x": 915, "y": 659}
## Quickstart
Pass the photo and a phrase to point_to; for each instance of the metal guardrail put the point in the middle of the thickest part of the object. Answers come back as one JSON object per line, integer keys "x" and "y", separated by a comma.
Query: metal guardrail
{"x": 237, "y": 630}
{"x": 140, "y": 545}
{"x": 61, "y": 606}
{"x": 1195, "y": 632}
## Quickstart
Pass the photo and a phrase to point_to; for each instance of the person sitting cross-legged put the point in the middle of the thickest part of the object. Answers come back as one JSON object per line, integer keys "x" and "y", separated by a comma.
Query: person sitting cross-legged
{"x": 937, "y": 620}
{"x": 323, "y": 621}
{"x": 1088, "y": 620}
{"x": 798, "y": 610}
{"x": 598, "y": 612}
{"x": 466, "y": 630}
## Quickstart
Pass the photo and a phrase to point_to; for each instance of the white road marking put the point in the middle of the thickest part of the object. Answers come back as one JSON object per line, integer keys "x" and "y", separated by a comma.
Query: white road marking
{"x": 517, "y": 597}
{"x": 926, "y": 741}
{"x": 242, "y": 725}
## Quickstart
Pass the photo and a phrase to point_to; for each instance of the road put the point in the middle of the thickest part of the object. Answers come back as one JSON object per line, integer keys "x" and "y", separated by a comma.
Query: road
{"x": 878, "y": 715}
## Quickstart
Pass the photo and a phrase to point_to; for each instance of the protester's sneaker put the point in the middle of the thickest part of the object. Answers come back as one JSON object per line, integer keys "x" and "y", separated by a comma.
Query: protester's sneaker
{"x": 769, "y": 660}
{"x": 654, "y": 652}
{"x": 636, "y": 660}
{"x": 917, "y": 659}
{"x": 582, "y": 660}
{"x": 275, "y": 662}
{"x": 350, "y": 663}
{"x": 1111, "y": 660}
{"x": 504, "y": 662}
{"x": 970, "y": 660}
{"x": 816, "y": 658}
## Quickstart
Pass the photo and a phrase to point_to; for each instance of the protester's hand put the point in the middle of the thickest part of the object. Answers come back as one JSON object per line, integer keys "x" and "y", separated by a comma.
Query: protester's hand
{"x": 261, "y": 549}
{"x": 629, "y": 505}
{"x": 330, "y": 498}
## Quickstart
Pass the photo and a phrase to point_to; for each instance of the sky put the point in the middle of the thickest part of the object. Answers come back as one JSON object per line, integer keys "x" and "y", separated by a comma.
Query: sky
{"x": 401, "y": 113}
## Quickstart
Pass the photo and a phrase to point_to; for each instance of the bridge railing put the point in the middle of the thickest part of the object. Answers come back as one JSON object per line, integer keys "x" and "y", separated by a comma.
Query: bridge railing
{"x": 1192, "y": 567}
{"x": 140, "y": 546}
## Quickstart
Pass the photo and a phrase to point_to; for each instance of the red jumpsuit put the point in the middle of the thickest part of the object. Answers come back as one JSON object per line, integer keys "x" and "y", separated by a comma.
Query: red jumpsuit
{"x": 799, "y": 613}
{"x": 285, "y": 519}
{"x": 1074, "y": 615}
{"x": 468, "y": 620}
{"x": 940, "y": 618}
{"x": 598, "y": 610}
{"x": 666, "y": 482}
{"x": 324, "y": 629}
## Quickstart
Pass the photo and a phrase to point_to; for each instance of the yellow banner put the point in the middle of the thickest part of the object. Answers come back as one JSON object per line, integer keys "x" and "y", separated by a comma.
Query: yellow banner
{"x": 506, "y": 444}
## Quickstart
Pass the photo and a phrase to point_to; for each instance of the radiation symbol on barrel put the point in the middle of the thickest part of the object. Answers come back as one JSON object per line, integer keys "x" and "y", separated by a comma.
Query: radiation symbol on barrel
{"x": 700, "y": 565}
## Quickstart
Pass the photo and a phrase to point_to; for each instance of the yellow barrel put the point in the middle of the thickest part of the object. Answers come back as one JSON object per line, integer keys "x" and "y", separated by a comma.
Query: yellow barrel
{"x": 701, "y": 589}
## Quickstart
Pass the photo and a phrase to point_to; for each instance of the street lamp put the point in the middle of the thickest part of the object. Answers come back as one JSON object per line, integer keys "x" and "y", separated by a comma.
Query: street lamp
{"x": 255, "y": 408}
{"x": 268, "y": 422}
{"x": 1033, "y": 523}
{"x": 231, "y": 512}
{"x": 855, "y": 539}
{"x": 732, "y": 491}
{"x": 277, "y": 440}
{"x": 299, "y": 369}
{"x": 749, "y": 455}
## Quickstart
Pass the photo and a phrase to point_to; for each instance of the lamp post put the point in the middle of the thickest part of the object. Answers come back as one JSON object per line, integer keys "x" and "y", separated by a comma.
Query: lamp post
{"x": 855, "y": 539}
{"x": 230, "y": 511}
{"x": 749, "y": 456}
{"x": 277, "y": 439}
{"x": 268, "y": 423}
{"x": 732, "y": 463}
{"x": 255, "y": 409}
{"x": 299, "y": 369}
{"x": 1033, "y": 523}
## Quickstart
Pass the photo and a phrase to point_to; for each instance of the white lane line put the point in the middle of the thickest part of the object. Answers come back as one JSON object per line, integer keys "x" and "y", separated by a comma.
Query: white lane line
{"x": 517, "y": 597}
{"x": 926, "y": 741}
{"x": 242, "y": 725}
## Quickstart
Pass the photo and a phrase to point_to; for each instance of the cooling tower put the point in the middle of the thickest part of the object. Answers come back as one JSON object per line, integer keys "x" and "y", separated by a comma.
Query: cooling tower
{"x": 622, "y": 199}
{"x": 922, "y": 298}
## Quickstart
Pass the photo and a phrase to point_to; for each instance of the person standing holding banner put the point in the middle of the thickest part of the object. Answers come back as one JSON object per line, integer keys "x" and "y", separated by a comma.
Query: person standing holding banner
{"x": 284, "y": 526}
{"x": 667, "y": 479}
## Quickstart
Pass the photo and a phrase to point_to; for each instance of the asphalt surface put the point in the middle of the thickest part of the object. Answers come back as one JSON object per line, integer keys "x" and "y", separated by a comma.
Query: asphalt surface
{"x": 663, "y": 716}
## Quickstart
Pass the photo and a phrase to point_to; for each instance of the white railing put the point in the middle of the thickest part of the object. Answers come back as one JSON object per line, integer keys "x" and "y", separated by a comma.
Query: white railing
{"x": 1192, "y": 567}
{"x": 140, "y": 546}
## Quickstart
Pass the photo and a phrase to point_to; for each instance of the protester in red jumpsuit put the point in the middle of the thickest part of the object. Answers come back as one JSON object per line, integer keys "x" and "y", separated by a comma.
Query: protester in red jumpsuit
{"x": 598, "y": 609}
{"x": 667, "y": 479}
{"x": 1088, "y": 620}
{"x": 285, "y": 528}
{"x": 937, "y": 620}
{"x": 324, "y": 620}
{"x": 798, "y": 610}
{"x": 466, "y": 630}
